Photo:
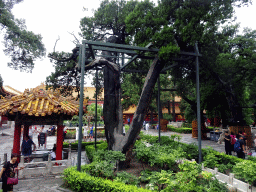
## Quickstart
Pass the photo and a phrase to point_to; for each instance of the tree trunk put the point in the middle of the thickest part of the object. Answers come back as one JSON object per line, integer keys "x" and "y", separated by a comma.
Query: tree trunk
{"x": 124, "y": 143}
{"x": 112, "y": 111}
{"x": 113, "y": 116}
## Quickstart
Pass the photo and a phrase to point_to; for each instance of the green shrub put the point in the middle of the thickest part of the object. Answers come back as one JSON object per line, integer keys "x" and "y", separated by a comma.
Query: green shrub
{"x": 90, "y": 149}
{"x": 184, "y": 124}
{"x": 159, "y": 180}
{"x": 144, "y": 175}
{"x": 179, "y": 130}
{"x": 70, "y": 134}
{"x": 74, "y": 146}
{"x": 105, "y": 155}
{"x": 191, "y": 178}
{"x": 246, "y": 170}
{"x": 81, "y": 181}
{"x": 102, "y": 169}
{"x": 126, "y": 178}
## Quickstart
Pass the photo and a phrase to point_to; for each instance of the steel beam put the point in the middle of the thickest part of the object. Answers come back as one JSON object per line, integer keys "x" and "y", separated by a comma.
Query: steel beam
{"x": 138, "y": 71}
{"x": 83, "y": 58}
{"x": 120, "y": 46}
{"x": 135, "y": 57}
{"x": 198, "y": 105}
{"x": 158, "y": 106}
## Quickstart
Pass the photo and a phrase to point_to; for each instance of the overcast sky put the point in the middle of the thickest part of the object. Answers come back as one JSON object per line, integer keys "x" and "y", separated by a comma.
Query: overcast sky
{"x": 53, "y": 18}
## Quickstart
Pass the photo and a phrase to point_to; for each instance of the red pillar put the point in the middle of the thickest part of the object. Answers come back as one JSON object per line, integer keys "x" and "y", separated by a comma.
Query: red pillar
{"x": 25, "y": 131}
{"x": 59, "y": 142}
{"x": 16, "y": 139}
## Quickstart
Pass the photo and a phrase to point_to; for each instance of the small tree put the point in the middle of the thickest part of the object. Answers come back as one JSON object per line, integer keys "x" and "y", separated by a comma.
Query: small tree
{"x": 90, "y": 115}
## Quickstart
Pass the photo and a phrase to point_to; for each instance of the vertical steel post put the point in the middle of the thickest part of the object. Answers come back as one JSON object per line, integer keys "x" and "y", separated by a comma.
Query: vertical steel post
{"x": 96, "y": 107}
{"x": 158, "y": 106}
{"x": 81, "y": 55}
{"x": 198, "y": 105}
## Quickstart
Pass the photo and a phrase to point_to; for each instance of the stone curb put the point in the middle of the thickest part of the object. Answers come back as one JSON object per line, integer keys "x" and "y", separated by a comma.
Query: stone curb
{"x": 63, "y": 189}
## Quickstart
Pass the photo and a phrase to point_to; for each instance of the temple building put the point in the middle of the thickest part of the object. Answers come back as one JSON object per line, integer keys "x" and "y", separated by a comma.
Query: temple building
{"x": 39, "y": 107}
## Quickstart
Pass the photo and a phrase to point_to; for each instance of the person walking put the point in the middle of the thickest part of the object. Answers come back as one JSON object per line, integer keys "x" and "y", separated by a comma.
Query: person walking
{"x": 30, "y": 132}
{"x": 233, "y": 141}
{"x": 128, "y": 120}
{"x": 239, "y": 147}
{"x": 227, "y": 140}
{"x": 85, "y": 132}
{"x": 42, "y": 138}
{"x": 91, "y": 132}
{"x": 147, "y": 126}
{"x": 8, "y": 171}
{"x": 26, "y": 146}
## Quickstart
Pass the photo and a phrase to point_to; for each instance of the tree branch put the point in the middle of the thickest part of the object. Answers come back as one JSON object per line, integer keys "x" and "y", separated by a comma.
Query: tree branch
{"x": 56, "y": 44}
{"x": 77, "y": 41}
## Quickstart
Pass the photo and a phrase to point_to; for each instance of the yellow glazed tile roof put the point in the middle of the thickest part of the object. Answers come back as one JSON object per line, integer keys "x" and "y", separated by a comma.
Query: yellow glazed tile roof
{"x": 39, "y": 102}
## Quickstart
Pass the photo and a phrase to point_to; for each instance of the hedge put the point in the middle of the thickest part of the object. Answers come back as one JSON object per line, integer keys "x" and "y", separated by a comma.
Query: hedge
{"x": 81, "y": 181}
{"x": 91, "y": 148}
{"x": 179, "y": 130}
{"x": 74, "y": 146}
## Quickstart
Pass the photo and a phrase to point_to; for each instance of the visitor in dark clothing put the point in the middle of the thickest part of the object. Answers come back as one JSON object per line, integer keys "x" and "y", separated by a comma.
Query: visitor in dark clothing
{"x": 244, "y": 138}
{"x": 241, "y": 153}
{"x": 26, "y": 146}
{"x": 227, "y": 140}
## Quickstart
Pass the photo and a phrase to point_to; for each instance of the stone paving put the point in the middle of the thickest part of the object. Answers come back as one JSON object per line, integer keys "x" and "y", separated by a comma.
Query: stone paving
{"x": 187, "y": 138}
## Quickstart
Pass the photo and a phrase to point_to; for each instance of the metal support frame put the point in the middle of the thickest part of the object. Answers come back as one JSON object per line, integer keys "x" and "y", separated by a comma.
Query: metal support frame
{"x": 82, "y": 65}
{"x": 129, "y": 50}
{"x": 96, "y": 107}
{"x": 158, "y": 103}
{"x": 198, "y": 105}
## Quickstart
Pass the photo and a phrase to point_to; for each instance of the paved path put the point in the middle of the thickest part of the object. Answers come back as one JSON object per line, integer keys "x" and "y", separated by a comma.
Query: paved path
{"x": 187, "y": 138}
{"x": 43, "y": 184}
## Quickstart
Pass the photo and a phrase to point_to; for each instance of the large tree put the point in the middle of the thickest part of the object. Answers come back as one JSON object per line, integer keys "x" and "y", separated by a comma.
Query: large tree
{"x": 172, "y": 26}
{"x": 66, "y": 76}
{"x": 188, "y": 22}
{"x": 21, "y": 45}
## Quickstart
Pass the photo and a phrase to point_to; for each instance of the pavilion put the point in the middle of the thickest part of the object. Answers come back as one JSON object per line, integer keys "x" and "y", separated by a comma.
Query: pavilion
{"x": 39, "y": 107}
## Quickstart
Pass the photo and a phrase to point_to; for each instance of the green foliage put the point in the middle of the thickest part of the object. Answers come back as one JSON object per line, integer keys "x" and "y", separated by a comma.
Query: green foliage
{"x": 71, "y": 134}
{"x": 81, "y": 181}
{"x": 167, "y": 116}
{"x": 159, "y": 180}
{"x": 66, "y": 77}
{"x": 109, "y": 155}
{"x": 144, "y": 175}
{"x": 191, "y": 178}
{"x": 75, "y": 120}
{"x": 74, "y": 146}
{"x": 179, "y": 130}
{"x": 90, "y": 149}
{"x": 186, "y": 124}
{"x": 102, "y": 169}
{"x": 246, "y": 170}
{"x": 163, "y": 156}
{"x": 23, "y": 46}
{"x": 210, "y": 160}
{"x": 126, "y": 178}
{"x": 91, "y": 111}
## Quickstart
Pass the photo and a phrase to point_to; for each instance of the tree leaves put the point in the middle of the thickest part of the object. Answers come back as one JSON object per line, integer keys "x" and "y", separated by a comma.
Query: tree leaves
{"x": 23, "y": 46}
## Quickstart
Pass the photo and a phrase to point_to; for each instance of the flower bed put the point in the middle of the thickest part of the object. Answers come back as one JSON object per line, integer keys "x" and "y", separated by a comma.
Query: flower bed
{"x": 243, "y": 169}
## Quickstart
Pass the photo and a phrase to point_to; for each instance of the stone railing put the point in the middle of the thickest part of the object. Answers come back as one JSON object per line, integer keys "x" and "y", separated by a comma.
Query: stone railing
{"x": 232, "y": 183}
{"x": 44, "y": 168}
